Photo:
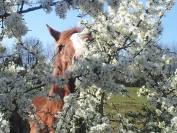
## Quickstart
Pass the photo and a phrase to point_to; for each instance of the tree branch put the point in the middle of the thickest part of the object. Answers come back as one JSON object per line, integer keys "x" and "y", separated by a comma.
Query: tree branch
{"x": 21, "y": 11}
{"x": 35, "y": 8}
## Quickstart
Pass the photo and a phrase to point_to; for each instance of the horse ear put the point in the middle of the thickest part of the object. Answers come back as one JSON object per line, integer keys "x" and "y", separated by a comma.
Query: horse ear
{"x": 55, "y": 34}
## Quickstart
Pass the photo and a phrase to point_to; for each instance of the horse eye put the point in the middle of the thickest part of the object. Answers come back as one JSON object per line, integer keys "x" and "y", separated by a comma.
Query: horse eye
{"x": 61, "y": 47}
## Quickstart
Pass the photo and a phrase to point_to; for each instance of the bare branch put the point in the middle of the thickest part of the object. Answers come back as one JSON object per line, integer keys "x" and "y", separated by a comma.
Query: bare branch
{"x": 21, "y": 11}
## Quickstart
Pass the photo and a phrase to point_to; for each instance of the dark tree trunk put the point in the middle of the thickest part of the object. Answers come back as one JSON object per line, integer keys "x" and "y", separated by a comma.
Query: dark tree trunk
{"x": 18, "y": 124}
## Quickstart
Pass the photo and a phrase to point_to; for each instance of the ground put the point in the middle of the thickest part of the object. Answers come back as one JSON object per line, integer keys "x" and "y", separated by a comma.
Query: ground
{"x": 125, "y": 104}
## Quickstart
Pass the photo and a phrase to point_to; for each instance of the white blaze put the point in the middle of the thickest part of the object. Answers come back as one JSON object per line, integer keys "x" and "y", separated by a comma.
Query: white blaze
{"x": 78, "y": 45}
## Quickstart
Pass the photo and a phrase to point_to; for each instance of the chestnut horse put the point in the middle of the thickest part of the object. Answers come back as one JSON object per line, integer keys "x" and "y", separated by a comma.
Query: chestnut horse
{"x": 70, "y": 46}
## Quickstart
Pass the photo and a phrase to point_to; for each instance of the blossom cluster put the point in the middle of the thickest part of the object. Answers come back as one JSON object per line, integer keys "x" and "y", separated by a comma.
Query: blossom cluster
{"x": 83, "y": 113}
{"x": 15, "y": 26}
{"x": 11, "y": 20}
{"x": 4, "y": 128}
{"x": 46, "y": 5}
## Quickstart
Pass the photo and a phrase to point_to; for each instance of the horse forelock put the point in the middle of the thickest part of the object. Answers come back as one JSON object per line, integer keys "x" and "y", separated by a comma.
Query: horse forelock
{"x": 65, "y": 35}
{"x": 78, "y": 45}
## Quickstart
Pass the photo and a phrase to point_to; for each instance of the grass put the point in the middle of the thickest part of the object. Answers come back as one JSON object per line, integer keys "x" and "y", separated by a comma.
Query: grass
{"x": 124, "y": 104}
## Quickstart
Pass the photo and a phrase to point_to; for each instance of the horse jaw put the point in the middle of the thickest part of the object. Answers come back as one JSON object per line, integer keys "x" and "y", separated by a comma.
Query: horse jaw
{"x": 78, "y": 44}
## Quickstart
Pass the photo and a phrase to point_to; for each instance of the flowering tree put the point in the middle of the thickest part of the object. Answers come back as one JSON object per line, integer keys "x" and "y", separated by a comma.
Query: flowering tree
{"x": 125, "y": 35}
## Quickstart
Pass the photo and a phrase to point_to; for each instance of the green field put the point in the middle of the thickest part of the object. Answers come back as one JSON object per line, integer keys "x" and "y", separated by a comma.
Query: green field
{"x": 124, "y": 104}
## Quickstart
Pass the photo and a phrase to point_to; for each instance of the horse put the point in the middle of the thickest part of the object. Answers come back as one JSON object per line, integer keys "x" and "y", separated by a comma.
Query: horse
{"x": 70, "y": 47}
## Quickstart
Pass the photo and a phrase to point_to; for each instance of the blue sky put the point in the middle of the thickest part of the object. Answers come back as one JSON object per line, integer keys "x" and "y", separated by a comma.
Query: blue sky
{"x": 36, "y": 21}
{"x": 169, "y": 23}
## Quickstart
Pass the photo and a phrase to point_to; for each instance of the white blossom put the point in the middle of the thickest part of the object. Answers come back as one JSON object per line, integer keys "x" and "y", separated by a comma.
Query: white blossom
{"x": 174, "y": 123}
{"x": 61, "y": 8}
{"x": 15, "y": 26}
{"x": 4, "y": 124}
{"x": 46, "y": 4}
